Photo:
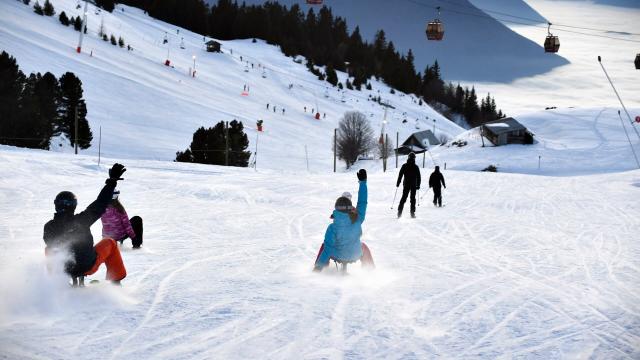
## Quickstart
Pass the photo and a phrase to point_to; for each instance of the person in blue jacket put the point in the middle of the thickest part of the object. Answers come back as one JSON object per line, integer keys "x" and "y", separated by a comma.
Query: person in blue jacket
{"x": 342, "y": 238}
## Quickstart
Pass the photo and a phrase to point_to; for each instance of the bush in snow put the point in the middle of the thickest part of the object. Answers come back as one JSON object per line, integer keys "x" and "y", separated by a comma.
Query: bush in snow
{"x": 77, "y": 23}
{"x": 37, "y": 8}
{"x": 113, "y": 40}
{"x": 208, "y": 146}
{"x": 64, "y": 20}
{"x": 490, "y": 168}
{"x": 48, "y": 8}
{"x": 26, "y": 2}
{"x": 105, "y": 37}
{"x": 120, "y": 42}
{"x": 355, "y": 137}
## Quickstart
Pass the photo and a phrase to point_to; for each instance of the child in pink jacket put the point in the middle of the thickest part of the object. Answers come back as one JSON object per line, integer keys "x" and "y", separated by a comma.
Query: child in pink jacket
{"x": 116, "y": 224}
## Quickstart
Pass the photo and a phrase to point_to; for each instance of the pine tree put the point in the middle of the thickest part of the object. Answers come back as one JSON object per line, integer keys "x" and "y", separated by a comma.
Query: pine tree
{"x": 12, "y": 82}
{"x": 332, "y": 77}
{"x": 113, "y": 40}
{"x": 105, "y": 37}
{"x": 108, "y": 5}
{"x": 37, "y": 8}
{"x": 208, "y": 146}
{"x": 26, "y": 2}
{"x": 71, "y": 91}
{"x": 48, "y": 8}
{"x": 64, "y": 20}
{"x": 120, "y": 42}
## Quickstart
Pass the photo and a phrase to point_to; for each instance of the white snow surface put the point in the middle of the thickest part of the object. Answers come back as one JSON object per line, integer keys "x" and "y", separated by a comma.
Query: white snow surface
{"x": 515, "y": 266}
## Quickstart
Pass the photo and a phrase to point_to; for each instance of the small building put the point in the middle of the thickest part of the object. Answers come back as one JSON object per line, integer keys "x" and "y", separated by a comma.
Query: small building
{"x": 506, "y": 131}
{"x": 213, "y": 46}
{"x": 418, "y": 142}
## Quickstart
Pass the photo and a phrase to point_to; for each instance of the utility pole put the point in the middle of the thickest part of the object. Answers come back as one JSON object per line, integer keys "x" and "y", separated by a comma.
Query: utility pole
{"x": 424, "y": 156}
{"x": 335, "y": 148}
{"x": 397, "y": 139}
{"x": 255, "y": 159}
{"x": 306, "y": 155}
{"x": 76, "y": 129}
{"x": 99, "y": 144}
{"x": 482, "y": 134}
{"x": 226, "y": 143}
{"x": 82, "y": 28}
{"x": 434, "y": 127}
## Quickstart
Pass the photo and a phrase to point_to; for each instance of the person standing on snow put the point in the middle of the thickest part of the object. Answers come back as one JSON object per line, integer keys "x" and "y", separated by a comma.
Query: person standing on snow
{"x": 71, "y": 233}
{"x": 342, "y": 238}
{"x": 435, "y": 180}
{"x": 411, "y": 173}
{"x": 116, "y": 224}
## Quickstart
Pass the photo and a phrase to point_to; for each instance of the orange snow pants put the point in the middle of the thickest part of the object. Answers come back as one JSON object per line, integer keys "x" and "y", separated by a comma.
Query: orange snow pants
{"x": 108, "y": 253}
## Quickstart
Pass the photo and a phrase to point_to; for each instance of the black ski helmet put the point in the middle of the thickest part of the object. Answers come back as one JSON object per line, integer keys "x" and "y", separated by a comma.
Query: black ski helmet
{"x": 65, "y": 202}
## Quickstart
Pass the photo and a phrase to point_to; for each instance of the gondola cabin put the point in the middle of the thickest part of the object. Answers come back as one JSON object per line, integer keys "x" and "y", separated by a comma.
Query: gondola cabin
{"x": 637, "y": 62}
{"x": 435, "y": 30}
{"x": 552, "y": 44}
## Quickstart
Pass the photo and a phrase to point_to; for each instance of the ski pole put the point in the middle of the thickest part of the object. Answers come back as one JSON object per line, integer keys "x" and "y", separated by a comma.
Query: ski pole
{"x": 418, "y": 197}
{"x": 394, "y": 198}
{"x": 425, "y": 193}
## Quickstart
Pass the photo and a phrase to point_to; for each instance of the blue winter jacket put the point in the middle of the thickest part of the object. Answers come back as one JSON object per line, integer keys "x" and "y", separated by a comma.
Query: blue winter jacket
{"x": 342, "y": 239}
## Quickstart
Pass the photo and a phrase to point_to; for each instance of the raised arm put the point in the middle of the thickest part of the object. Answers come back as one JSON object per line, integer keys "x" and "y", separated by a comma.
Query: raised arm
{"x": 94, "y": 211}
{"x": 362, "y": 195}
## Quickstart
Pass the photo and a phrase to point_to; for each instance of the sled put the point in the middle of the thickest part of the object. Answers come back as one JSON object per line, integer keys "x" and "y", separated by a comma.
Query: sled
{"x": 341, "y": 265}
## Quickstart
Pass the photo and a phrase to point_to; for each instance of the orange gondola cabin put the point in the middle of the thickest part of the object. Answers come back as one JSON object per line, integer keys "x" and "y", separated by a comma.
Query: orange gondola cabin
{"x": 435, "y": 28}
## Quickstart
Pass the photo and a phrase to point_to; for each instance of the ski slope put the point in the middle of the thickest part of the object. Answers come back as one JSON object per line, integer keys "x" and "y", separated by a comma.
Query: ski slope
{"x": 150, "y": 111}
{"x": 515, "y": 266}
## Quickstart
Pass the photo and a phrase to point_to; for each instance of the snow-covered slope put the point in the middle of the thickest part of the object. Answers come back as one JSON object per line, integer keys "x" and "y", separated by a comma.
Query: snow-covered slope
{"x": 568, "y": 142}
{"x": 582, "y": 82}
{"x": 476, "y": 46}
{"x": 513, "y": 266}
{"x": 148, "y": 110}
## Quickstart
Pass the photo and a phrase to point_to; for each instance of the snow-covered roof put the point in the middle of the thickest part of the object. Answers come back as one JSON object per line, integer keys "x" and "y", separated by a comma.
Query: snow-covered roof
{"x": 505, "y": 125}
{"x": 423, "y": 138}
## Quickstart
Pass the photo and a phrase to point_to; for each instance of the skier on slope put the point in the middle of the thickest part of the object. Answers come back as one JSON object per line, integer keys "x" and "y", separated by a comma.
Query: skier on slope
{"x": 342, "y": 238}
{"x": 411, "y": 173}
{"x": 435, "y": 180}
{"x": 71, "y": 233}
{"x": 116, "y": 224}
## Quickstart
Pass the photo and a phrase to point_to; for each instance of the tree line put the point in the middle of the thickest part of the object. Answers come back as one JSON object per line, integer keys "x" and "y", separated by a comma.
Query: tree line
{"x": 35, "y": 108}
{"x": 324, "y": 40}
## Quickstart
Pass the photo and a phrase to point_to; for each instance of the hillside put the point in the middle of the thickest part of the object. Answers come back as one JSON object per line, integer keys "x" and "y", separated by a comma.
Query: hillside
{"x": 466, "y": 54}
{"x": 156, "y": 108}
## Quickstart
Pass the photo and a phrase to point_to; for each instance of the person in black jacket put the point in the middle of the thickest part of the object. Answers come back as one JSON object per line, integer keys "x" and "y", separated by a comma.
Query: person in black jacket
{"x": 435, "y": 180}
{"x": 69, "y": 232}
{"x": 411, "y": 173}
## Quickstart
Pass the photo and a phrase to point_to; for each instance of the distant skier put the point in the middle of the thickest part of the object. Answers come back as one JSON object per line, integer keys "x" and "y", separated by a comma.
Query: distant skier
{"x": 435, "y": 180}
{"x": 411, "y": 173}
{"x": 342, "y": 238}
{"x": 69, "y": 232}
{"x": 282, "y": 111}
{"x": 116, "y": 224}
